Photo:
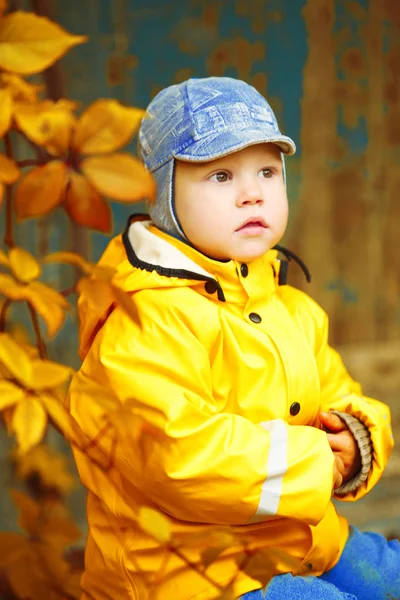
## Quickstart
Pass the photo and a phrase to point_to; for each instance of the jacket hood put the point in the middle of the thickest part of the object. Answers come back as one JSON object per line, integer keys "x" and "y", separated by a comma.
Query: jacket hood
{"x": 142, "y": 257}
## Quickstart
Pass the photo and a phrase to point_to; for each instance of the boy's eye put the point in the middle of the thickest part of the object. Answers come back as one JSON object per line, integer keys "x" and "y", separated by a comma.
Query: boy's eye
{"x": 266, "y": 173}
{"x": 220, "y": 177}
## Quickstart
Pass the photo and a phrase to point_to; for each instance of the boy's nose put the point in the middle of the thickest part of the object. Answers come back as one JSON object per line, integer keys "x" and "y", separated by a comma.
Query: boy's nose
{"x": 250, "y": 195}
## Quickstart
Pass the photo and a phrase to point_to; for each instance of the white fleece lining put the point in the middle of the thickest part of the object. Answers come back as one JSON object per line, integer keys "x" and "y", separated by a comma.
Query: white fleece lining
{"x": 152, "y": 249}
{"x": 277, "y": 467}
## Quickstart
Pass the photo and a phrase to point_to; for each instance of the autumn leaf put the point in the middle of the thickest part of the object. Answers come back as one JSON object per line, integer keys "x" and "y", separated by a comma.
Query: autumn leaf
{"x": 85, "y": 205}
{"x": 48, "y": 303}
{"x": 6, "y": 107}
{"x": 41, "y": 190}
{"x": 21, "y": 90}
{"x": 23, "y": 265}
{"x": 155, "y": 524}
{"x": 3, "y": 7}
{"x": 47, "y": 123}
{"x": 120, "y": 176}
{"x": 9, "y": 171}
{"x": 105, "y": 126}
{"x": 44, "y": 463}
{"x": 30, "y": 43}
{"x": 26, "y": 385}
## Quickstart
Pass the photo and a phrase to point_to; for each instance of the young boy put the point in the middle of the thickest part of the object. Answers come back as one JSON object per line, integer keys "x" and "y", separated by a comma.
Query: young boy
{"x": 254, "y": 423}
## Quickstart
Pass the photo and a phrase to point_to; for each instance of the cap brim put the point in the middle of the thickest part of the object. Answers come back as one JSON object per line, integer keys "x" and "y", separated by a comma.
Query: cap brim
{"x": 221, "y": 144}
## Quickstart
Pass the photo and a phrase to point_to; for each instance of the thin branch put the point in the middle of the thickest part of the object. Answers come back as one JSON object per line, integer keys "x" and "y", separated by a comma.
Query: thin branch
{"x": 194, "y": 566}
{"x": 36, "y": 327}
{"x": 29, "y": 162}
{"x": 3, "y": 314}
{"x": 9, "y": 233}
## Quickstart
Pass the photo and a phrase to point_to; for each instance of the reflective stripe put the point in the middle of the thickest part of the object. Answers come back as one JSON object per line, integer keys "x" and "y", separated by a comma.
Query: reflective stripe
{"x": 277, "y": 466}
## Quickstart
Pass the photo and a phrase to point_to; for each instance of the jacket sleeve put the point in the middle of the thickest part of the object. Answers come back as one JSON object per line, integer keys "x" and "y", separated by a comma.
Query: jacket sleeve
{"x": 196, "y": 463}
{"x": 339, "y": 392}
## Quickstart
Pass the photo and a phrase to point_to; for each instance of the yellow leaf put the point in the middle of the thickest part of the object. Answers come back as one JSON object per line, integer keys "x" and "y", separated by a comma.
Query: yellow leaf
{"x": 28, "y": 511}
{"x": 49, "y": 466}
{"x": 10, "y": 394}
{"x": 29, "y": 423}
{"x": 69, "y": 258}
{"x": 60, "y": 531}
{"x": 47, "y": 374}
{"x": 47, "y": 123}
{"x": 9, "y": 171}
{"x": 29, "y": 43}
{"x": 24, "y": 266}
{"x": 49, "y": 304}
{"x": 155, "y": 524}
{"x": 85, "y": 205}
{"x": 15, "y": 359}
{"x": 21, "y": 90}
{"x": 119, "y": 176}
{"x": 105, "y": 126}
{"x": 5, "y": 111}
{"x": 4, "y": 259}
{"x": 41, "y": 190}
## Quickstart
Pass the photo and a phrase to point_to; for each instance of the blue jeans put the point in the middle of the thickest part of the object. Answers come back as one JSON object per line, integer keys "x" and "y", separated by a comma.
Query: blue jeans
{"x": 369, "y": 569}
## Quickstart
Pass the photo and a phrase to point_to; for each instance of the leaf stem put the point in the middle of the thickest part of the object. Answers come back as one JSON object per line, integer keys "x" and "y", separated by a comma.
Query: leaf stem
{"x": 3, "y": 314}
{"x": 9, "y": 234}
{"x": 36, "y": 327}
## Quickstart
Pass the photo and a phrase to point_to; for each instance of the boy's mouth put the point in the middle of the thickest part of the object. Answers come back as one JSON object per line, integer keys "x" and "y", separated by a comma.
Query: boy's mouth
{"x": 253, "y": 223}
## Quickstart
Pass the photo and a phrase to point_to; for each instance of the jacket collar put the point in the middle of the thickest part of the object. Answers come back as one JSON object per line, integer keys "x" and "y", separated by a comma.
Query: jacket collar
{"x": 150, "y": 249}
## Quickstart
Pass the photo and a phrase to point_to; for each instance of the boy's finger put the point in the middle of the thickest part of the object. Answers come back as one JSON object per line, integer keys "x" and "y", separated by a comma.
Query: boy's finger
{"x": 336, "y": 442}
{"x": 332, "y": 422}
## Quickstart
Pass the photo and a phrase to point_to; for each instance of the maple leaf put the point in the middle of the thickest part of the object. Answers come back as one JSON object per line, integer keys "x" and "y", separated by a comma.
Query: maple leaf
{"x": 83, "y": 166}
{"x": 31, "y": 387}
{"x": 22, "y": 284}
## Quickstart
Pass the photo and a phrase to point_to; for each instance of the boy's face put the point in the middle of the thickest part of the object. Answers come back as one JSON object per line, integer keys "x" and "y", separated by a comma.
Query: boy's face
{"x": 234, "y": 207}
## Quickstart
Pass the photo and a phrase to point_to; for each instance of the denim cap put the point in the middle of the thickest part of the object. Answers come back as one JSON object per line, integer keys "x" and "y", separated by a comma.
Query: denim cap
{"x": 197, "y": 121}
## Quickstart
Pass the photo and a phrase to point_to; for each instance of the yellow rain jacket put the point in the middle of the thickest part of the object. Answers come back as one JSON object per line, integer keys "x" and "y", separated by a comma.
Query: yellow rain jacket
{"x": 228, "y": 371}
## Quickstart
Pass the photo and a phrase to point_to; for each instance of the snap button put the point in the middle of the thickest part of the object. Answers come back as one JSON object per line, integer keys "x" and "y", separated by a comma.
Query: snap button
{"x": 255, "y": 317}
{"x": 211, "y": 287}
{"x": 244, "y": 269}
{"x": 309, "y": 566}
{"x": 295, "y": 409}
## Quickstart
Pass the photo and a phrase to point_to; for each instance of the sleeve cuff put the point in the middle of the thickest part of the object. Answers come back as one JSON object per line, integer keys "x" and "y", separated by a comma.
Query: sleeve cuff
{"x": 363, "y": 439}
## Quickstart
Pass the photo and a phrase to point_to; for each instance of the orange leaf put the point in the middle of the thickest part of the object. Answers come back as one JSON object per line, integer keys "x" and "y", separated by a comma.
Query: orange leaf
{"x": 41, "y": 190}
{"x": 85, "y": 205}
{"x": 10, "y": 288}
{"x": 3, "y": 6}
{"x": 47, "y": 374}
{"x": 10, "y": 394}
{"x": 29, "y": 43}
{"x": 105, "y": 126}
{"x": 5, "y": 111}
{"x": 119, "y": 176}
{"x": 69, "y": 258}
{"x": 29, "y": 423}
{"x": 9, "y": 171}
{"x": 10, "y": 543}
{"x": 49, "y": 304}
{"x": 15, "y": 359}
{"x": 28, "y": 511}
{"x": 24, "y": 266}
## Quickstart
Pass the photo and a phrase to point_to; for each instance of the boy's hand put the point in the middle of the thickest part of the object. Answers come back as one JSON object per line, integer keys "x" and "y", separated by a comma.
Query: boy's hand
{"x": 338, "y": 470}
{"x": 343, "y": 444}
